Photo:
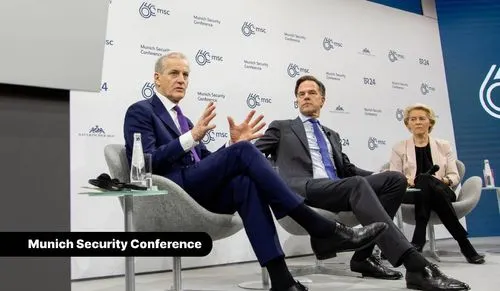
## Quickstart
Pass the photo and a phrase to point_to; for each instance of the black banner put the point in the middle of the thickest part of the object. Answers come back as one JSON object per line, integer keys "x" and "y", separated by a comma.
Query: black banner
{"x": 105, "y": 244}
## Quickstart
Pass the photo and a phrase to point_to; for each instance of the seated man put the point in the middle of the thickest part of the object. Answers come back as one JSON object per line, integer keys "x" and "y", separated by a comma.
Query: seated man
{"x": 310, "y": 160}
{"x": 235, "y": 178}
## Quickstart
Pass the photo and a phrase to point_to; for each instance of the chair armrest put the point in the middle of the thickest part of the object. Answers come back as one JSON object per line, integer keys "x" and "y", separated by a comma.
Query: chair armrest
{"x": 469, "y": 196}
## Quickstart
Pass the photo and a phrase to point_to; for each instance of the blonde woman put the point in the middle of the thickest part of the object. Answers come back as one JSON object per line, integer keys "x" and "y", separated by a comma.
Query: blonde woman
{"x": 414, "y": 157}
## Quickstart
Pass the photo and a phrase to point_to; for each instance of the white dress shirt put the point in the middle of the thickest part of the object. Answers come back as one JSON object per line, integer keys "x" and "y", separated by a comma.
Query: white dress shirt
{"x": 187, "y": 141}
{"x": 317, "y": 161}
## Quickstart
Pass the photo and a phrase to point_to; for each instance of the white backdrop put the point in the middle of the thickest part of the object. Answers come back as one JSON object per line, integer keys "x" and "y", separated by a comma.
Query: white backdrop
{"x": 374, "y": 61}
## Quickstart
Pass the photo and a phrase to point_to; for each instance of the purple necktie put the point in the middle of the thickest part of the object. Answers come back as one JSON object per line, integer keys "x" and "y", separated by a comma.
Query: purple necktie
{"x": 183, "y": 123}
{"x": 323, "y": 149}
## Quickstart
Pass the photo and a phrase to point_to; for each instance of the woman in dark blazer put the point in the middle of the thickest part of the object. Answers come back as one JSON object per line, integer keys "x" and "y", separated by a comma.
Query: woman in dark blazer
{"x": 414, "y": 157}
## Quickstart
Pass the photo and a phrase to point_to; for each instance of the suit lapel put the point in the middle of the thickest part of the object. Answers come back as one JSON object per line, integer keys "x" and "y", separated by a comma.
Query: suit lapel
{"x": 160, "y": 110}
{"x": 300, "y": 132}
{"x": 434, "y": 151}
{"x": 410, "y": 152}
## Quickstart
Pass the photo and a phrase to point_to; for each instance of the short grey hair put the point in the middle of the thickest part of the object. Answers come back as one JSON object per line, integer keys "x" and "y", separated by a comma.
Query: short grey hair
{"x": 420, "y": 106}
{"x": 159, "y": 68}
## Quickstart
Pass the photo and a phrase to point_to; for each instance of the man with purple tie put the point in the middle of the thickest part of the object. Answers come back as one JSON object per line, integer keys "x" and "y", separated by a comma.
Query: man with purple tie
{"x": 310, "y": 160}
{"x": 237, "y": 177}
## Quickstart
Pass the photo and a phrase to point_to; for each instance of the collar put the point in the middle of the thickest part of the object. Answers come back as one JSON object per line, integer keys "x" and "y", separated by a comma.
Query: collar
{"x": 306, "y": 118}
{"x": 169, "y": 105}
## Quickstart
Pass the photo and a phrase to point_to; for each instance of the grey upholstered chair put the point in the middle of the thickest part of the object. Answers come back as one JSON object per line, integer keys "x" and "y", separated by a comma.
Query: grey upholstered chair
{"x": 174, "y": 212}
{"x": 467, "y": 199}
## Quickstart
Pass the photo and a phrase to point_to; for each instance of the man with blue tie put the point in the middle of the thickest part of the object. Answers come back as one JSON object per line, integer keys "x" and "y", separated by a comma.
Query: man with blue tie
{"x": 237, "y": 177}
{"x": 310, "y": 159}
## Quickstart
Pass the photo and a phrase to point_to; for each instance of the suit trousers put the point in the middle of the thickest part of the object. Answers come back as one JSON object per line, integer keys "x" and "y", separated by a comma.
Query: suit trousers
{"x": 239, "y": 178}
{"x": 433, "y": 195}
{"x": 374, "y": 198}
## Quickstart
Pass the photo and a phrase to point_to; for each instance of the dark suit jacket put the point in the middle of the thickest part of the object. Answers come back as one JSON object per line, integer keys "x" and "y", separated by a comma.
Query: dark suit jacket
{"x": 160, "y": 137}
{"x": 286, "y": 142}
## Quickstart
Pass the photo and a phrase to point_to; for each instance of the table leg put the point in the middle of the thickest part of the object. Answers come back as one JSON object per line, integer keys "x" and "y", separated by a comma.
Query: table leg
{"x": 129, "y": 261}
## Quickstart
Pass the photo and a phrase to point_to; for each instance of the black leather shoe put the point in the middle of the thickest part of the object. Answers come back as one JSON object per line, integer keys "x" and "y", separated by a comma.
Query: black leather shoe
{"x": 346, "y": 239}
{"x": 432, "y": 279}
{"x": 372, "y": 267}
{"x": 295, "y": 287}
{"x": 477, "y": 259}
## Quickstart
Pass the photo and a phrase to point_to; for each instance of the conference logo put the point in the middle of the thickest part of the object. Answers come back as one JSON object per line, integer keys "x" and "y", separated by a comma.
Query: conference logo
{"x": 204, "y": 57}
{"x": 147, "y": 90}
{"x": 212, "y": 136}
{"x": 210, "y": 96}
{"x": 206, "y": 21}
{"x": 491, "y": 81}
{"x": 369, "y": 81}
{"x": 366, "y": 52}
{"x": 423, "y": 62}
{"x": 399, "y": 114}
{"x": 95, "y": 131}
{"x": 426, "y": 89}
{"x": 248, "y": 29}
{"x": 374, "y": 143}
{"x": 148, "y": 10}
{"x": 110, "y": 42}
{"x": 329, "y": 44}
{"x": 395, "y": 56}
{"x": 293, "y": 70}
{"x": 340, "y": 110}
{"x": 254, "y": 100}
{"x": 295, "y": 104}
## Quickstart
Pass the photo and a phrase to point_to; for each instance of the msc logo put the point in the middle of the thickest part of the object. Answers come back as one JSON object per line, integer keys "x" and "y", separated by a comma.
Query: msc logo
{"x": 204, "y": 57}
{"x": 110, "y": 42}
{"x": 399, "y": 114}
{"x": 339, "y": 108}
{"x": 394, "y": 56}
{"x": 374, "y": 143}
{"x": 369, "y": 81}
{"x": 97, "y": 130}
{"x": 295, "y": 104}
{"x": 255, "y": 100}
{"x": 148, "y": 10}
{"x": 294, "y": 70}
{"x": 426, "y": 89}
{"x": 329, "y": 44}
{"x": 211, "y": 135}
{"x": 249, "y": 29}
{"x": 491, "y": 81}
{"x": 147, "y": 90}
{"x": 423, "y": 62}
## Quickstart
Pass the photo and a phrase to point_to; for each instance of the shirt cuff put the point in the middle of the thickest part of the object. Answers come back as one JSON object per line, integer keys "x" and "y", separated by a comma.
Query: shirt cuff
{"x": 187, "y": 141}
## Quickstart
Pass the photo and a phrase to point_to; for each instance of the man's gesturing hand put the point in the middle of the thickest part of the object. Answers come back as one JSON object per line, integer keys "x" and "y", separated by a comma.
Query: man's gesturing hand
{"x": 203, "y": 125}
{"x": 247, "y": 130}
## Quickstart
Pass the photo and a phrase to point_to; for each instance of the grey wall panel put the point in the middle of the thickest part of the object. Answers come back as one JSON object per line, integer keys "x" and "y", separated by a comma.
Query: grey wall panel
{"x": 53, "y": 43}
{"x": 34, "y": 179}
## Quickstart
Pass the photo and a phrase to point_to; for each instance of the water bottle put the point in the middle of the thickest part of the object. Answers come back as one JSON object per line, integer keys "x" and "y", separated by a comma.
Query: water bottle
{"x": 488, "y": 175}
{"x": 137, "y": 167}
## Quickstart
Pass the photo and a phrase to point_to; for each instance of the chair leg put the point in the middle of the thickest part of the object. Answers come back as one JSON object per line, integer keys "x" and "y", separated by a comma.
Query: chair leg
{"x": 432, "y": 243}
{"x": 258, "y": 285}
{"x": 176, "y": 272}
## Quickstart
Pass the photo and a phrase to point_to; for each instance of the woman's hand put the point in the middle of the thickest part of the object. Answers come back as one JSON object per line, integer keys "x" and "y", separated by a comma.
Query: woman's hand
{"x": 411, "y": 182}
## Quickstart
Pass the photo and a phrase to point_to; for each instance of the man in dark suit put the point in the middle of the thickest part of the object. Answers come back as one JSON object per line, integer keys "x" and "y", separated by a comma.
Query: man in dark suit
{"x": 234, "y": 178}
{"x": 310, "y": 160}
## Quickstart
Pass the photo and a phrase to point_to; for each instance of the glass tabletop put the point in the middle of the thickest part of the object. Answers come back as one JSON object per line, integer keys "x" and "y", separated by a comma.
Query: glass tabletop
{"x": 93, "y": 191}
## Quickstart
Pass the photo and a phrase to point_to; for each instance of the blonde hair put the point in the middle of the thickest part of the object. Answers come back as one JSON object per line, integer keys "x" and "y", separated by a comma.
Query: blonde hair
{"x": 420, "y": 106}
